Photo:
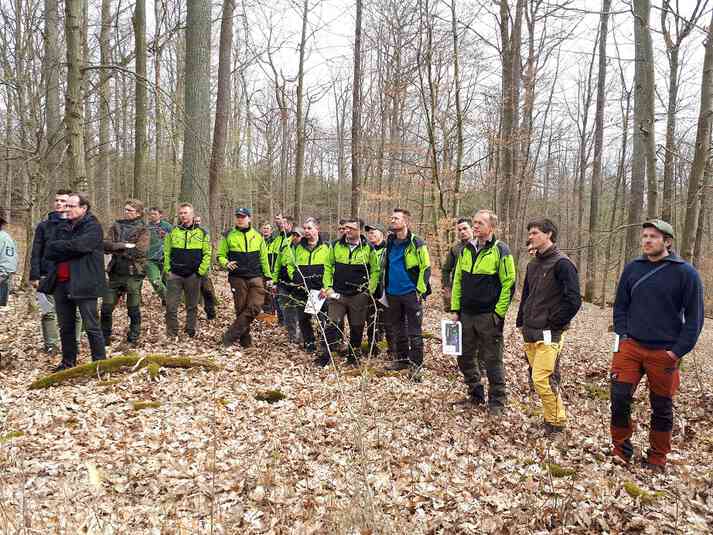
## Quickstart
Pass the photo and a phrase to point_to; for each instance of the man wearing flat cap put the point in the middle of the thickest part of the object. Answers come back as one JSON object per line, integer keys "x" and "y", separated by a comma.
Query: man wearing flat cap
{"x": 243, "y": 252}
{"x": 658, "y": 317}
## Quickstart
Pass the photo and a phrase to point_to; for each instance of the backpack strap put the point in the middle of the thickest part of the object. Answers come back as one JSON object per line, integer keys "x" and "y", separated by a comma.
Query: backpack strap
{"x": 649, "y": 274}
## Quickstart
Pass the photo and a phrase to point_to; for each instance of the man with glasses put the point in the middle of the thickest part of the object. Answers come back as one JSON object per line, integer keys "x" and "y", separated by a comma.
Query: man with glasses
{"x": 127, "y": 241}
{"x": 78, "y": 280}
{"x": 349, "y": 268}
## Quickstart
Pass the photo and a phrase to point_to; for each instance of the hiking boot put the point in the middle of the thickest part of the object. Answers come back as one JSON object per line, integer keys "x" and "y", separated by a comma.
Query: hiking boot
{"x": 310, "y": 347}
{"x": 655, "y": 468}
{"x": 496, "y": 411}
{"x": 246, "y": 341}
{"x": 551, "y": 429}
{"x": 191, "y": 333}
{"x": 470, "y": 402}
{"x": 322, "y": 361}
{"x": 62, "y": 366}
{"x": 134, "y": 314}
{"x": 227, "y": 341}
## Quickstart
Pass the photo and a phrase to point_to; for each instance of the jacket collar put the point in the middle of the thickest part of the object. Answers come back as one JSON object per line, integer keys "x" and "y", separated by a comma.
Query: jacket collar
{"x": 244, "y": 230}
{"x": 672, "y": 257}
{"x": 392, "y": 238}
{"x": 549, "y": 252}
{"x": 362, "y": 241}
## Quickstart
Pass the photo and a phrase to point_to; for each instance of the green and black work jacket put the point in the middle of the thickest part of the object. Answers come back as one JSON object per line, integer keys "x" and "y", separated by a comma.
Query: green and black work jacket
{"x": 187, "y": 250}
{"x": 417, "y": 263}
{"x": 484, "y": 279}
{"x": 276, "y": 244}
{"x": 349, "y": 271}
{"x": 247, "y": 248}
{"x": 305, "y": 266}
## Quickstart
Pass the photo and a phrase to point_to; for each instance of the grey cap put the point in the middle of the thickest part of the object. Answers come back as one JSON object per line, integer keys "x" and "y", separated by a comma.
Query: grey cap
{"x": 299, "y": 231}
{"x": 243, "y": 211}
{"x": 374, "y": 226}
{"x": 662, "y": 226}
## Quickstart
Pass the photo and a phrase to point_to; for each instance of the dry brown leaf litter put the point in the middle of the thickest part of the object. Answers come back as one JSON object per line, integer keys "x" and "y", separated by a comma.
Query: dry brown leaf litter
{"x": 190, "y": 451}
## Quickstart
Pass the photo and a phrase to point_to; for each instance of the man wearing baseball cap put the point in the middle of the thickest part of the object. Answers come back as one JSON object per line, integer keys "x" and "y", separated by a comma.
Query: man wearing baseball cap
{"x": 658, "y": 316}
{"x": 243, "y": 252}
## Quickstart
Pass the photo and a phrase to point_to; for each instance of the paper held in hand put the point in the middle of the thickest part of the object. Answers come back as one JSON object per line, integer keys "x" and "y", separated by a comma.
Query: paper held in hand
{"x": 452, "y": 337}
{"x": 314, "y": 302}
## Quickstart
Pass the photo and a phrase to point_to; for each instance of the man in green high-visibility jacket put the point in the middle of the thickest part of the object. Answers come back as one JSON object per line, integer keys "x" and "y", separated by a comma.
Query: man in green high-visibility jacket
{"x": 186, "y": 258}
{"x": 483, "y": 286}
{"x": 243, "y": 252}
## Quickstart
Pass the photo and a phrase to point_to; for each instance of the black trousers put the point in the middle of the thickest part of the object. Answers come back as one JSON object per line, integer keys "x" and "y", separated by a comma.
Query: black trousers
{"x": 403, "y": 319}
{"x": 66, "y": 308}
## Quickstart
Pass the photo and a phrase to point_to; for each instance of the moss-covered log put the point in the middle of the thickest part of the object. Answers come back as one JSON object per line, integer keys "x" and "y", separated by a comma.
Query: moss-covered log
{"x": 96, "y": 368}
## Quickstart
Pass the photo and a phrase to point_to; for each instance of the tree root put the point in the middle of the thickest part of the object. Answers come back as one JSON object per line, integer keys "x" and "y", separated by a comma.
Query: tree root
{"x": 96, "y": 368}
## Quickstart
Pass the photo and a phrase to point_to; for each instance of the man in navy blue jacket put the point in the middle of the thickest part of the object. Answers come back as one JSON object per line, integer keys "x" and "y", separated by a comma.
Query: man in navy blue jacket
{"x": 658, "y": 316}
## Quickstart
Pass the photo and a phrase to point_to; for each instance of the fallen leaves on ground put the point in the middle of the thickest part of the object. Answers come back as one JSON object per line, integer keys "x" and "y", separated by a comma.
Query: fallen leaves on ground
{"x": 267, "y": 443}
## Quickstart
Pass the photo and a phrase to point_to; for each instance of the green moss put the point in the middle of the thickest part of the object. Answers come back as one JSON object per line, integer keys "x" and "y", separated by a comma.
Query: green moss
{"x": 529, "y": 462}
{"x": 595, "y": 391}
{"x": 7, "y": 437}
{"x": 271, "y": 396}
{"x": 109, "y": 382}
{"x": 154, "y": 370}
{"x": 130, "y": 360}
{"x": 556, "y": 470}
{"x": 141, "y": 405}
{"x": 644, "y": 496}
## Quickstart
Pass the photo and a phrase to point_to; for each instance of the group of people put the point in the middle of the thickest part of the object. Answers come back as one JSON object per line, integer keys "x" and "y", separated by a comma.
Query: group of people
{"x": 375, "y": 281}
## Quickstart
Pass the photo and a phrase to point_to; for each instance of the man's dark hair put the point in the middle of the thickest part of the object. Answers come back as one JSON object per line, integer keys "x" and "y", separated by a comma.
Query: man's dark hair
{"x": 83, "y": 199}
{"x": 545, "y": 225}
{"x": 289, "y": 219}
{"x": 464, "y": 220}
{"x": 155, "y": 209}
{"x": 63, "y": 191}
{"x": 403, "y": 211}
{"x": 342, "y": 221}
{"x": 353, "y": 220}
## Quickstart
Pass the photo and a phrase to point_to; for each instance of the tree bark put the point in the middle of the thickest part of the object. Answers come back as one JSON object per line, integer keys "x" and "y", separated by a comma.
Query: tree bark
{"x": 140, "y": 187}
{"x": 74, "y": 113}
{"x": 702, "y": 148}
{"x": 356, "y": 115}
{"x": 51, "y": 70}
{"x": 300, "y": 156}
{"x": 194, "y": 180}
{"x": 598, "y": 149}
{"x": 222, "y": 113}
{"x": 103, "y": 180}
{"x": 643, "y": 88}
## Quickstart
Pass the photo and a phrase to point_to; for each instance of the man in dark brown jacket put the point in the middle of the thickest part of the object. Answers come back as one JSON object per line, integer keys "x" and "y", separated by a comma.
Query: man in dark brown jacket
{"x": 464, "y": 229}
{"x": 550, "y": 300}
{"x": 128, "y": 243}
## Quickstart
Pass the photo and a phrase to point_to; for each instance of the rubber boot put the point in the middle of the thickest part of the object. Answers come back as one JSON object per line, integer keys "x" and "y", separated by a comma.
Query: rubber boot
{"x": 134, "y": 314}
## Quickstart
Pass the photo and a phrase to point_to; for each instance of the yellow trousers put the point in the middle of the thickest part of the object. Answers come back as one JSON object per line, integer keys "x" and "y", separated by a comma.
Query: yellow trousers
{"x": 544, "y": 366}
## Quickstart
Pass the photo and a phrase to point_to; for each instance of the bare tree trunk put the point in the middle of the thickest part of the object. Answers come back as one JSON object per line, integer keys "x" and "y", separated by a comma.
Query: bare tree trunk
{"x": 73, "y": 115}
{"x": 300, "y": 156}
{"x": 356, "y": 114}
{"x": 598, "y": 149}
{"x": 194, "y": 181}
{"x": 455, "y": 208}
{"x": 51, "y": 70}
{"x": 706, "y": 205}
{"x": 222, "y": 113}
{"x": 103, "y": 181}
{"x": 643, "y": 88}
{"x": 139, "y": 188}
{"x": 701, "y": 154}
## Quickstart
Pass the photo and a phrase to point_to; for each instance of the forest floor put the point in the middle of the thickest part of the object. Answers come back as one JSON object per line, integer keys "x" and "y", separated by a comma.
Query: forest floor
{"x": 343, "y": 452}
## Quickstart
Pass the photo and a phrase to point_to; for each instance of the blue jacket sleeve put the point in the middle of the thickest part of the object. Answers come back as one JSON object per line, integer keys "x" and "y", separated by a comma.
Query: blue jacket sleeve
{"x": 693, "y": 314}
{"x": 621, "y": 303}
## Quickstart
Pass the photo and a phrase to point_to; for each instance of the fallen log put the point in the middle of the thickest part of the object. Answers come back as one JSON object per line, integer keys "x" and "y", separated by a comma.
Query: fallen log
{"x": 96, "y": 368}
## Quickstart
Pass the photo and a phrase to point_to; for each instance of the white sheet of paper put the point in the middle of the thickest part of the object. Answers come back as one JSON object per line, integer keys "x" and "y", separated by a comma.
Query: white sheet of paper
{"x": 43, "y": 303}
{"x": 452, "y": 337}
{"x": 547, "y": 337}
{"x": 615, "y": 345}
{"x": 383, "y": 300}
{"x": 314, "y": 302}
